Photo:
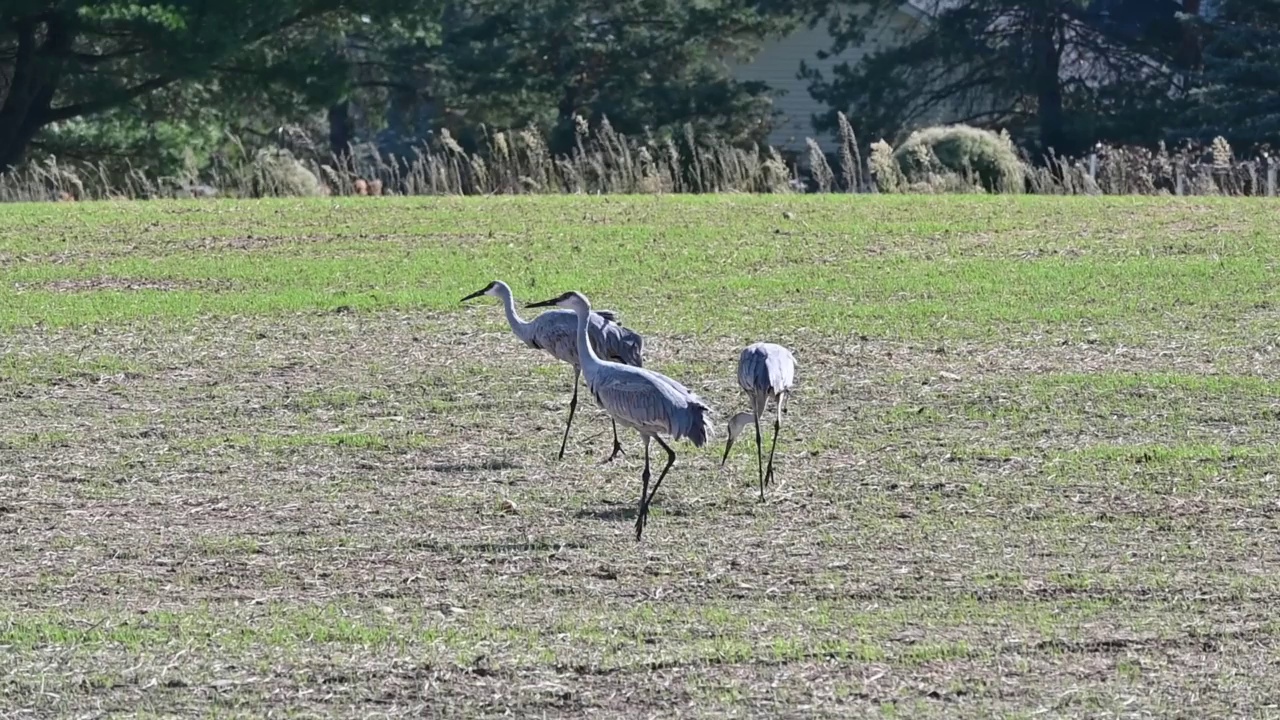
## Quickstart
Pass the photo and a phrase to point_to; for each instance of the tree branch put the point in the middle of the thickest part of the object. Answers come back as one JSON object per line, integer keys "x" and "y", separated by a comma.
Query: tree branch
{"x": 66, "y": 112}
{"x": 119, "y": 97}
{"x": 92, "y": 60}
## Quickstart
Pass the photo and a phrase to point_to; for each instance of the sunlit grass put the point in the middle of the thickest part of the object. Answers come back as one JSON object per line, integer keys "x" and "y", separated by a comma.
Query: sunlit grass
{"x": 1119, "y": 269}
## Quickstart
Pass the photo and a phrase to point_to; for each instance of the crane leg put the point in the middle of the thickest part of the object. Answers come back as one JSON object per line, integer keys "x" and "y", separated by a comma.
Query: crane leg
{"x": 759, "y": 457}
{"x": 573, "y": 405}
{"x": 644, "y": 511}
{"x": 644, "y": 491}
{"x": 768, "y": 475}
{"x": 777, "y": 424}
{"x": 617, "y": 446}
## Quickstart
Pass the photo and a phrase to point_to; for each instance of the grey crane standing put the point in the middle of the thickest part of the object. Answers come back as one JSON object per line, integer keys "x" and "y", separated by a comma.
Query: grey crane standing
{"x": 765, "y": 371}
{"x": 649, "y": 402}
{"x": 554, "y": 331}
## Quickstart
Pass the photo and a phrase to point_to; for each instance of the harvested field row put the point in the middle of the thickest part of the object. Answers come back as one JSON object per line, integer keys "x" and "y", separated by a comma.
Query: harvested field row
{"x": 1029, "y": 469}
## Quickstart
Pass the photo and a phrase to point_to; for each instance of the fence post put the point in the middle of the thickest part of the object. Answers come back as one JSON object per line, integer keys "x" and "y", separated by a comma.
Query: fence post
{"x": 1177, "y": 179}
{"x": 1271, "y": 177}
{"x": 1093, "y": 167}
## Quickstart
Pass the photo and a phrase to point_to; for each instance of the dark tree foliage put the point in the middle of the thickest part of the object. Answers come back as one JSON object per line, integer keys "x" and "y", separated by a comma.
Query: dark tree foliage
{"x": 1060, "y": 73}
{"x": 67, "y": 59}
{"x": 642, "y": 63}
{"x": 1237, "y": 93}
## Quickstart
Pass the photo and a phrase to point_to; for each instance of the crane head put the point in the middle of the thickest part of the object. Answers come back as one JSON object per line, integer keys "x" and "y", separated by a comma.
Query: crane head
{"x": 572, "y": 300}
{"x": 736, "y": 423}
{"x": 490, "y": 289}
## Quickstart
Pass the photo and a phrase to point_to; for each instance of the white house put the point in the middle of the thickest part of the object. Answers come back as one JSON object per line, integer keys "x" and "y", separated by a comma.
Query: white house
{"x": 778, "y": 63}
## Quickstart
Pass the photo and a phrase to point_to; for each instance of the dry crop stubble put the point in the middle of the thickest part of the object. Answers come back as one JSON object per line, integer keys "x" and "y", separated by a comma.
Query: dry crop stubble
{"x": 330, "y": 491}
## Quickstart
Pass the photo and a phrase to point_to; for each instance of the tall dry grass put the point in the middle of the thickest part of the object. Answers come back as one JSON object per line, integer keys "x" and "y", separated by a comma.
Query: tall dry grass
{"x": 604, "y": 161}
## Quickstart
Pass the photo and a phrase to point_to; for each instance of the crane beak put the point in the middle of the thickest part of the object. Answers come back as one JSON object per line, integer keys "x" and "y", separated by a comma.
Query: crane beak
{"x": 727, "y": 445}
{"x": 475, "y": 294}
{"x": 553, "y": 301}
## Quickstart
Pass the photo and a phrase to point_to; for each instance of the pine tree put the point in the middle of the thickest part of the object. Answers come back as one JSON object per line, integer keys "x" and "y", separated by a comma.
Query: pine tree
{"x": 61, "y": 60}
{"x": 1054, "y": 71}
{"x": 1238, "y": 93}
{"x": 643, "y": 64}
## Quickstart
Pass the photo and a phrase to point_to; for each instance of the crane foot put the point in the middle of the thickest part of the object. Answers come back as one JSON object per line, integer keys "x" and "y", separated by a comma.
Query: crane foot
{"x": 617, "y": 450}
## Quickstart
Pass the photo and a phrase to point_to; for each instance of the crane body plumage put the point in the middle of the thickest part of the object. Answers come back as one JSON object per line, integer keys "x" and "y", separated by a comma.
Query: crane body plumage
{"x": 649, "y": 402}
{"x": 555, "y": 332}
{"x": 646, "y": 401}
{"x": 766, "y": 371}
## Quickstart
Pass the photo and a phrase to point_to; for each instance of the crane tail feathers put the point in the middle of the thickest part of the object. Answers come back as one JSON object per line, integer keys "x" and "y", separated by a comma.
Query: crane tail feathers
{"x": 632, "y": 349}
{"x": 625, "y": 346}
{"x": 700, "y": 428}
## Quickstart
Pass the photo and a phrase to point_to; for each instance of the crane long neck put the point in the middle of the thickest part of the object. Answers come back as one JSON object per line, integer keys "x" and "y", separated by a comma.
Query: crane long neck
{"x": 518, "y": 325}
{"x": 587, "y": 357}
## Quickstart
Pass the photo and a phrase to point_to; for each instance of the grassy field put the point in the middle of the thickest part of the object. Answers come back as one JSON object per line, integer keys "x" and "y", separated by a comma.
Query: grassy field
{"x": 257, "y": 457}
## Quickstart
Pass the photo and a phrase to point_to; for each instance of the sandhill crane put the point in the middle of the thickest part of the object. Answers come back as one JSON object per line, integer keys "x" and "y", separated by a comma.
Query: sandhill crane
{"x": 765, "y": 371}
{"x": 649, "y": 402}
{"x": 554, "y": 331}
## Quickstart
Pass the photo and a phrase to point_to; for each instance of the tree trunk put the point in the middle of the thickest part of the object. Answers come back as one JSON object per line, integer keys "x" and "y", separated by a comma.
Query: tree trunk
{"x": 1046, "y": 64}
{"x": 568, "y": 70}
{"x": 340, "y": 131}
{"x": 32, "y": 85}
{"x": 15, "y": 113}
{"x": 567, "y": 108}
{"x": 1190, "y": 53}
{"x": 565, "y": 136}
{"x": 13, "y": 146}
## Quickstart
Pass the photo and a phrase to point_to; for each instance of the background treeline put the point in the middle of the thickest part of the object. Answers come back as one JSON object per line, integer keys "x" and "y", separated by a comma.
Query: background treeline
{"x": 365, "y": 96}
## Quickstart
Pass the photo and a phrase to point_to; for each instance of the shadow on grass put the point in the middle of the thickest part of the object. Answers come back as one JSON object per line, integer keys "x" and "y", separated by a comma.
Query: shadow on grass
{"x": 531, "y": 545}
{"x": 625, "y": 512}
{"x": 472, "y": 466}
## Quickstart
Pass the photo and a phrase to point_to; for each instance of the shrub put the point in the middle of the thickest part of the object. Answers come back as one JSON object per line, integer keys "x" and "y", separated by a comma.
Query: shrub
{"x": 884, "y": 169}
{"x": 278, "y": 173}
{"x": 964, "y": 151}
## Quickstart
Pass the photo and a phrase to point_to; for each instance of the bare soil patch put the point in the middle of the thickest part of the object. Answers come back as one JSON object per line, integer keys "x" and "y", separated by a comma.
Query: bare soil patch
{"x": 339, "y": 514}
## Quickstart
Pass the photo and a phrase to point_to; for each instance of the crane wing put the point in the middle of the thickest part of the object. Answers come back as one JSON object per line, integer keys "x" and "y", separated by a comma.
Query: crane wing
{"x": 782, "y": 374}
{"x": 556, "y": 331}
{"x": 763, "y": 366}
{"x": 753, "y": 370}
{"x": 650, "y": 400}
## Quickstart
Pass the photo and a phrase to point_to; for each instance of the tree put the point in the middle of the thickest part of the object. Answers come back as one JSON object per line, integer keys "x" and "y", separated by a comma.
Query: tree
{"x": 1043, "y": 68}
{"x": 67, "y": 59}
{"x": 642, "y": 63}
{"x": 1237, "y": 94}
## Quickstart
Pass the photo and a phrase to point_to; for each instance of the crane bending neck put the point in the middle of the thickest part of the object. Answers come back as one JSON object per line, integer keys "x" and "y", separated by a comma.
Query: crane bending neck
{"x": 518, "y": 325}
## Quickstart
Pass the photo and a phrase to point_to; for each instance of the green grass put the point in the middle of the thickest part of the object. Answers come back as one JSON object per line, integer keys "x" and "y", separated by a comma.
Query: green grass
{"x": 900, "y": 267}
{"x": 258, "y": 459}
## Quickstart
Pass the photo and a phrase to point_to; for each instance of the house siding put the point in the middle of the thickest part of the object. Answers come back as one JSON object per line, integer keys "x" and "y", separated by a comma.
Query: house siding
{"x": 778, "y": 64}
